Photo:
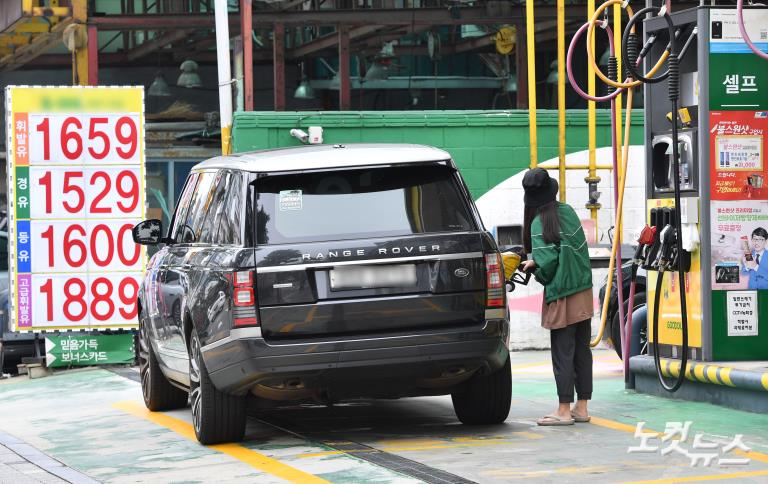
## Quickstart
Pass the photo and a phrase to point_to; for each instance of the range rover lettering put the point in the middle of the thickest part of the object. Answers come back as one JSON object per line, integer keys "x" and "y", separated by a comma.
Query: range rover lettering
{"x": 322, "y": 273}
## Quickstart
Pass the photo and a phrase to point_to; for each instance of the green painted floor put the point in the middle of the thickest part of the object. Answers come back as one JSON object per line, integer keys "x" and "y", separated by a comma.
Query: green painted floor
{"x": 94, "y": 421}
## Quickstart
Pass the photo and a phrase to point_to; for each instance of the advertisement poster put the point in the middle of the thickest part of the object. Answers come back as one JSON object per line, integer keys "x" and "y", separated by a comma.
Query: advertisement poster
{"x": 738, "y": 145}
{"x": 736, "y": 80}
{"x": 739, "y": 232}
{"x": 76, "y": 189}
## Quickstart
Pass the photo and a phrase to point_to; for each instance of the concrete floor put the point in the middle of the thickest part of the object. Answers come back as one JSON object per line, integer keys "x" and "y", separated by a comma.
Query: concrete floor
{"x": 95, "y": 422}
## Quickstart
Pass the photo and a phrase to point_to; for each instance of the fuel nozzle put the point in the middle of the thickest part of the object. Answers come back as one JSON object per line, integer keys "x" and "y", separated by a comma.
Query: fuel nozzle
{"x": 651, "y": 254}
{"x": 512, "y": 258}
{"x": 647, "y": 236}
{"x": 668, "y": 250}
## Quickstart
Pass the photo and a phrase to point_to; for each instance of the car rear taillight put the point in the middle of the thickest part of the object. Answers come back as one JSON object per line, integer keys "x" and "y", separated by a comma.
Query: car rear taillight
{"x": 243, "y": 300}
{"x": 495, "y": 281}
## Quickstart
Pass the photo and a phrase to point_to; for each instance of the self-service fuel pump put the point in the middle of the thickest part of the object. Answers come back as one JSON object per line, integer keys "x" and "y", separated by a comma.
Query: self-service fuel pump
{"x": 706, "y": 126}
{"x": 714, "y": 230}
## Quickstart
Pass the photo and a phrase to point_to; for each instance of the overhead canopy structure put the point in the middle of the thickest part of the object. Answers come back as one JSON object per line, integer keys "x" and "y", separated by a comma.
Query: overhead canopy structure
{"x": 349, "y": 34}
{"x": 28, "y": 29}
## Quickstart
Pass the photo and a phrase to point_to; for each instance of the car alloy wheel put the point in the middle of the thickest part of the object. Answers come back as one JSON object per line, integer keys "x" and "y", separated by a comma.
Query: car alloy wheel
{"x": 195, "y": 393}
{"x": 146, "y": 375}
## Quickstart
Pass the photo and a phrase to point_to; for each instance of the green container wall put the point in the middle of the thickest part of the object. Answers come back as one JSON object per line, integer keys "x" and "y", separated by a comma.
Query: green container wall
{"x": 488, "y": 146}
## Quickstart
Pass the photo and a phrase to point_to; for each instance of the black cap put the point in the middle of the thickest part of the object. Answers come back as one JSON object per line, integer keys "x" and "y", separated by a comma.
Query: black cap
{"x": 539, "y": 187}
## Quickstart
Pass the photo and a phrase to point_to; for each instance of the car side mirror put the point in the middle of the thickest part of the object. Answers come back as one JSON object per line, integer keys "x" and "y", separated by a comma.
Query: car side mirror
{"x": 148, "y": 232}
{"x": 187, "y": 235}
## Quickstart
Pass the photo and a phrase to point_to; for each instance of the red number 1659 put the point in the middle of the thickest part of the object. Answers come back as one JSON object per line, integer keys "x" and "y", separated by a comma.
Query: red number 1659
{"x": 124, "y": 135}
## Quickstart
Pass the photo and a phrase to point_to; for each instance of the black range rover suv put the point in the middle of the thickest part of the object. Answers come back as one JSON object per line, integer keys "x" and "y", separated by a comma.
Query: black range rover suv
{"x": 323, "y": 273}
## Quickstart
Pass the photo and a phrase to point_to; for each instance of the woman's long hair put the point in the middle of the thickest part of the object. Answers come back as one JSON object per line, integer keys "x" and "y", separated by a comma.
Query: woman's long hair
{"x": 550, "y": 223}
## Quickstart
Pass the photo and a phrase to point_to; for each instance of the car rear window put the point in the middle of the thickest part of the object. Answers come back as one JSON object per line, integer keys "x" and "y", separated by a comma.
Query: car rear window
{"x": 361, "y": 203}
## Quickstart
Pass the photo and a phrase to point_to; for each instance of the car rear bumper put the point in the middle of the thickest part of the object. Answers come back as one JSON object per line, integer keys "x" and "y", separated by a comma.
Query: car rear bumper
{"x": 366, "y": 366}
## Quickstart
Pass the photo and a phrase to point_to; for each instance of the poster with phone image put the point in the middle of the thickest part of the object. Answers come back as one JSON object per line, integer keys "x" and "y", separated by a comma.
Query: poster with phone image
{"x": 737, "y": 149}
{"x": 739, "y": 233}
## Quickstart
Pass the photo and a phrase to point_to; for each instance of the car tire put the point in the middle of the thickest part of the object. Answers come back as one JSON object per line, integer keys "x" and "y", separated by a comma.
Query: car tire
{"x": 158, "y": 393}
{"x": 485, "y": 399}
{"x": 216, "y": 416}
{"x": 639, "y": 301}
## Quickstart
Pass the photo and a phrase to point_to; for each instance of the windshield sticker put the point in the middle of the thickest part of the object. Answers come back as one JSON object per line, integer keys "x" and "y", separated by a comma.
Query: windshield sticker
{"x": 290, "y": 200}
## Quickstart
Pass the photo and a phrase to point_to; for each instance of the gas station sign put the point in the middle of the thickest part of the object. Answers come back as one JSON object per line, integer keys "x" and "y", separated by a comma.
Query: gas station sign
{"x": 86, "y": 350}
{"x": 76, "y": 187}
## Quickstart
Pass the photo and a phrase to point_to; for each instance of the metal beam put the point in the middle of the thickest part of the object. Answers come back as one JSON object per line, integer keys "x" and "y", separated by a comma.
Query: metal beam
{"x": 93, "y": 56}
{"x": 345, "y": 91}
{"x": 65, "y": 60}
{"x": 246, "y": 29}
{"x": 399, "y": 16}
{"x": 278, "y": 47}
{"x": 156, "y": 44}
{"x": 415, "y": 82}
{"x": 485, "y": 15}
{"x": 328, "y": 41}
{"x": 521, "y": 67}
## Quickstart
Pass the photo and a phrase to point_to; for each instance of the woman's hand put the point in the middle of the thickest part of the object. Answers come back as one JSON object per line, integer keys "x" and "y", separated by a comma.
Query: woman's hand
{"x": 529, "y": 266}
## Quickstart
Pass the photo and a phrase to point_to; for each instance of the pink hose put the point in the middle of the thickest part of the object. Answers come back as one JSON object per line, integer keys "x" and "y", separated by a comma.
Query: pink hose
{"x": 569, "y": 61}
{"x": 628, "y": 326}
{"x": 614, "y": 140}
{"x": 743, "y": 30}
{"x": 619, "y": 271}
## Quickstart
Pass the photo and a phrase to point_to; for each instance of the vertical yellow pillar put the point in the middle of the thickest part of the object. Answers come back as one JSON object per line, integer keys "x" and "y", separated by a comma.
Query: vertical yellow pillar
{"x": 80, "y": 15}
{"x": 617, "y": 42}
{"x": 561, "y": 94}
{"x": 592, "y": 128}
{"x": 531, "y": 44}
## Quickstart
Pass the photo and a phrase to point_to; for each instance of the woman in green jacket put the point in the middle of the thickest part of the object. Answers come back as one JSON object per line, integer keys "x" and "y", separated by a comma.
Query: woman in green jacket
{"x": 553, "y": 236}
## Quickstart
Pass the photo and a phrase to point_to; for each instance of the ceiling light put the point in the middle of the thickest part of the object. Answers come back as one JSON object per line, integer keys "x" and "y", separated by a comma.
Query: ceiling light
{"x": 304, "y": 91}
{"x": 159, "y": 87}
{"x": 189, "y": 77}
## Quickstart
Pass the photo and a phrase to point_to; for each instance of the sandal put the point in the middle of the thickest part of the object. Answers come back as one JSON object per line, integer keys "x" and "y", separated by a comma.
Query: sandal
{"x": 580, "y": 419}
{"x": 554, "y": 421}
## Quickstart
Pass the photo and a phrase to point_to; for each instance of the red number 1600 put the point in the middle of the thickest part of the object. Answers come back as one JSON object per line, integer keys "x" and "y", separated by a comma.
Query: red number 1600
{"x": 78, "y": 259}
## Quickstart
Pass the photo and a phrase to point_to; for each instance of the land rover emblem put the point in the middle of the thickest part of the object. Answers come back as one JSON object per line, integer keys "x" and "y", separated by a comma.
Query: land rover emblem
{"x": 461, "y": 272}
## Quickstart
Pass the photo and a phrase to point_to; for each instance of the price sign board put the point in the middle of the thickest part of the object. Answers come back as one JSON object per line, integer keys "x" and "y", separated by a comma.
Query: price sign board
{"x": 75, "y": 190}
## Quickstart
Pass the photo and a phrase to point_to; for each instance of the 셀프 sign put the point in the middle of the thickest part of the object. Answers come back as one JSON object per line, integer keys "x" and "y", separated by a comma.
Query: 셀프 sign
{"x": 75, "y": 190}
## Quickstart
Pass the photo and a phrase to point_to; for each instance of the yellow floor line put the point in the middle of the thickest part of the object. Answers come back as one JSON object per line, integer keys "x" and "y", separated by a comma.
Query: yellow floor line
{"x": 254, "y": 459}
{"x": 758, "y": 456}
{"x": 710, "y": 477}
{"x": 599, "y": 359}
{"x": 530, "y": 365}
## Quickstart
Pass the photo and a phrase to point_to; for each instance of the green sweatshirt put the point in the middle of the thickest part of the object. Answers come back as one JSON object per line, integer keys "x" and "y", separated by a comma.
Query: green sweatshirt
{"x": 563, "y": 268}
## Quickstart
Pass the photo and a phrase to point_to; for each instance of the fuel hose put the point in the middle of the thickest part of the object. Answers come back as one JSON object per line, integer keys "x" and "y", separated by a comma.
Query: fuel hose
{"x": 613, "y": 73}
{"x": 624, "y": 159}
{"x": 612, "y": 68}
{"x": 591, "y": 55}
